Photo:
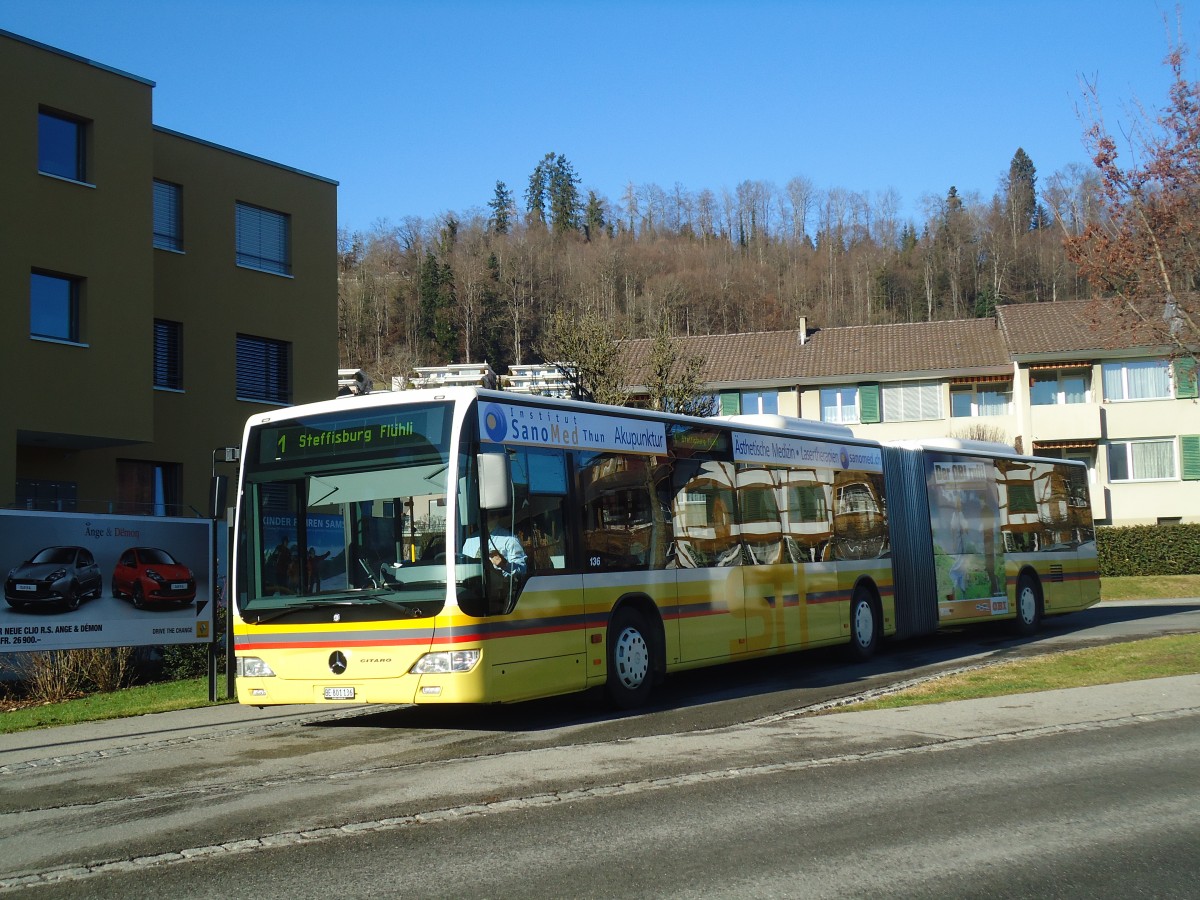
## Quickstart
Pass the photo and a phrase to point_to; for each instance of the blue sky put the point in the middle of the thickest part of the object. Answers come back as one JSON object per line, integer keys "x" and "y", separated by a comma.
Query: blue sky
{"x": 417, "y": 109}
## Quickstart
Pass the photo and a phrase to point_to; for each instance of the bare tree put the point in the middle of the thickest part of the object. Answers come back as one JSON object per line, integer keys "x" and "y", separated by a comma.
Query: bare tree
{"x": 1144, "y": 249}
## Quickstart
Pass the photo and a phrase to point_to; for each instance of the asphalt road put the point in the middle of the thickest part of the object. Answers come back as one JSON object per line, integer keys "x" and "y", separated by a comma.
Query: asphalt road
{"x": 722, "y": 788}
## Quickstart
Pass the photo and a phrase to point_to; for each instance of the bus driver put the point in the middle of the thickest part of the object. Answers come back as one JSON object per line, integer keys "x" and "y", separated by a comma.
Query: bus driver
{"x": 505, "y": 550}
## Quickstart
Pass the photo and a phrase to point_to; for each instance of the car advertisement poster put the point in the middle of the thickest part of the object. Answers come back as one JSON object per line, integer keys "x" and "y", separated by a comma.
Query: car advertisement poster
{"x": 73, "y": 581}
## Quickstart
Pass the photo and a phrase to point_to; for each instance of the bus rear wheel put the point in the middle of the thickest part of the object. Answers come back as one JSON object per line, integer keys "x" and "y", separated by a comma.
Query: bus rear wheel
{"x": 864, "y": 625}
{"x": 630, "y": 660}
{"x": 1029, "y": 606}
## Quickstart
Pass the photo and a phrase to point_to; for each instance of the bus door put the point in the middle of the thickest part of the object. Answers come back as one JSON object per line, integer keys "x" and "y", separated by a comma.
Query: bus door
{"x": 536, "y": 641}
{"x": 707, "y": 555}
{"x": 771, "y": 576}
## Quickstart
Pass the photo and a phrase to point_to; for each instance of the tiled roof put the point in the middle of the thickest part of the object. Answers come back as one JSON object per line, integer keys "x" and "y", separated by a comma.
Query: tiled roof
{"x": 911, "y": 347}
{"x": 750, "y": 357}
{"x": 1066, "y": 326}
{"x": 984, "y": 345}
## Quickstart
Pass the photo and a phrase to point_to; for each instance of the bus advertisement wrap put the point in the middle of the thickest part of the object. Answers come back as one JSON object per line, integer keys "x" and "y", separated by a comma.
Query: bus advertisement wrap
{"x": 551, "y": 427}
{"x": 785, "y": 451}
{"x": 73, "y": 581}
{"x": 968, "y": 548}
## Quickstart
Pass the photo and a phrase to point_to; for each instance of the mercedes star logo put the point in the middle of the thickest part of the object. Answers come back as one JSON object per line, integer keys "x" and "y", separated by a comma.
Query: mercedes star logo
{"x": 337, "y": 662}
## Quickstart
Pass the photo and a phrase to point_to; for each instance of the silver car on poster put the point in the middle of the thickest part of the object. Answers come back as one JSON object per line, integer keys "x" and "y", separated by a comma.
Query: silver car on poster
{"x": 55, "y": 576}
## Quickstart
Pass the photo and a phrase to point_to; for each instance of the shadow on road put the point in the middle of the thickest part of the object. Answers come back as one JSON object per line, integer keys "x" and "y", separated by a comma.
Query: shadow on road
{"x": 753, "y": 687}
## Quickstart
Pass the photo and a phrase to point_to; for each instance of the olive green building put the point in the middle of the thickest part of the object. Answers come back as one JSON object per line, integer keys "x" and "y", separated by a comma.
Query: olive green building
{"x": 155, "y": 290}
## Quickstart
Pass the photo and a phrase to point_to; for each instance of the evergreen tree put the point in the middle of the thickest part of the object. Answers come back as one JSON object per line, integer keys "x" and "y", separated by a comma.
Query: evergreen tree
{"x": 535, "y": 194}
{"x": 436, "y": 302}
{"x": 493, "y": 342}
{"x": 593, "y": 216}
{"x": 502, "y": 207}
{"x": 563, "y": 189}
{"x": 1021, "y": 201}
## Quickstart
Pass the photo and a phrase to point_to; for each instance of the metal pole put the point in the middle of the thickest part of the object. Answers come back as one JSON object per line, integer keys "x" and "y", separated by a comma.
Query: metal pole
{"x": 212, "y": 588}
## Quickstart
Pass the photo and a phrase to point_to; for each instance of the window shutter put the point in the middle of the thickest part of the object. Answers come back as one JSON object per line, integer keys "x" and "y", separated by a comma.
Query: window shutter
{"x": 868, "y": 403}
{"x": 262, "y": 239}
{"x": 167, "y": 216}
{"x": 729, "y": 403}
{"x": 168, "y": 354}
{"x": 1189, "y": 456}
{"x": 1185, "y": 379}
{"x": 263, "y": 370}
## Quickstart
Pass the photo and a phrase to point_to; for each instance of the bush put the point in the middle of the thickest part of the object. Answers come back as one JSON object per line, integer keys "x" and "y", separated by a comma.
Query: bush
{"x": 53, "y": 675}
{"x": 1148, "y": 550}
{"x": 184, "y": 661}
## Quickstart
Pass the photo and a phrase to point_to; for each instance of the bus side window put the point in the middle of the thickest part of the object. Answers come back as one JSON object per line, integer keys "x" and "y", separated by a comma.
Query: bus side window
{"x": 706, "y": 533}
{"x": 758, "y": 502}
{"x": 539, "y": 500}
{"x": 625, "y": 525}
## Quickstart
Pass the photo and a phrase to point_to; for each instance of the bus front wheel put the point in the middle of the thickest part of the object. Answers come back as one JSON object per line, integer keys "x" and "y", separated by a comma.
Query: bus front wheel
{"x": 864, "y": 625}
{"x": 630, "y": 660}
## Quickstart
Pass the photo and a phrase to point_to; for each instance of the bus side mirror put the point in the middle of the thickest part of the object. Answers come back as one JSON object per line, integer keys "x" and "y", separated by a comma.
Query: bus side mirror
{"x": 494, "y": 481}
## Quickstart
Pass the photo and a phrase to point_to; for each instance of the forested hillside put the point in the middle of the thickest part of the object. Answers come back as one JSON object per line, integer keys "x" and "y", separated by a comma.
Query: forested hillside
{"x": 500, "y": 283}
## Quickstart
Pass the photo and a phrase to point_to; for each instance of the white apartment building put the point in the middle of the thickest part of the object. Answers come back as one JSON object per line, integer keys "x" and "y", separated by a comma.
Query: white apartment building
{"x": 1048, "y": 378}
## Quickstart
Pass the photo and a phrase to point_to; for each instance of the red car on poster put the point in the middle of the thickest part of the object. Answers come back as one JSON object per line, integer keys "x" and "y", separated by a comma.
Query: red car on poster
{"x": 149, "y": 576}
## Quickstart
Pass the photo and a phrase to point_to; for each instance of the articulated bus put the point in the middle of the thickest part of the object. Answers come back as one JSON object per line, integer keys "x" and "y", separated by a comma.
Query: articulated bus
{"x": 621, "y": 545}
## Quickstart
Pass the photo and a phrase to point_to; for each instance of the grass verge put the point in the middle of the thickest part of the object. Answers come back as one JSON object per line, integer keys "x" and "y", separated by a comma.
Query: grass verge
{"x": 164, "y": 696}
{"x": 1162, "y": 587}
{"x": 1158, "y": 657}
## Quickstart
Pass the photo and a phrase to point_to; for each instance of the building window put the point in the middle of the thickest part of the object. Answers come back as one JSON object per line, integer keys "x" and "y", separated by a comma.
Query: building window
{"x": 1148, "y": 379}
{"x": 168, "y": 216}
{"x": 168, "y": 355}
{"x": 1053, "y": 387}
{"x": 839, "y": 405}
{"x": 149, "y": 488}
{"x": 54, "y": 306}
{"x": 263, "y": 239}
{"x": 979, "y": 400}
{"x": 62, "y": 146}
{"x": 759, "y": 402}
{"x": 264, "y": 369}
{"x": 912, "y": 401}
{"x": 1152, "y": 460}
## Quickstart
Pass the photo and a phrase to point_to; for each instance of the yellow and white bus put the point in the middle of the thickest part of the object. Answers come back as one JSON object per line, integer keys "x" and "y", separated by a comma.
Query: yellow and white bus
{"x": 622, "y": 545}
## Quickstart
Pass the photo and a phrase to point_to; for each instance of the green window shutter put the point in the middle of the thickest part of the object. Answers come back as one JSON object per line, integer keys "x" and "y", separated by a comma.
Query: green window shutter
{"x": 1185, "y": 379}
{"x": 1189, "y": 456}
{"x": 868, "y": 403}
{"x": 729, "y": 403}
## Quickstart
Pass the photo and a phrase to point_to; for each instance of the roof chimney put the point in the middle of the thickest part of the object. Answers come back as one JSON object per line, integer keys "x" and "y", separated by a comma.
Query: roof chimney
{"x": 803, "y": 329}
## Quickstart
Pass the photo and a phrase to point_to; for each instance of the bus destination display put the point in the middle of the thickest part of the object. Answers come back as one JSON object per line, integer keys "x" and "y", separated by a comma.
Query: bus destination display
{"x": 339, "y": 437}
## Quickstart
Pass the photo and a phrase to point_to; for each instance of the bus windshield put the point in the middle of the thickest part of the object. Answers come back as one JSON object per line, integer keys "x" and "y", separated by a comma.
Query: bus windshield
{"x": 347, "y": 508}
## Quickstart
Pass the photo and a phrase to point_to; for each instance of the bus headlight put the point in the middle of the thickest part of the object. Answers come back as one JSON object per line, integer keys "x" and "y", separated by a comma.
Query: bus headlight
{"x": 253, "y": 667}
{"x": 446, "y": 661}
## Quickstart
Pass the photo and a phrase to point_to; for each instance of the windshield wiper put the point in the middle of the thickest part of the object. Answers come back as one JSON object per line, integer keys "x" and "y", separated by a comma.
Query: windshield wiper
{"x": 279, "y": 612}
{"x": 412, "y": 611}
{"x": 367, "y": 598}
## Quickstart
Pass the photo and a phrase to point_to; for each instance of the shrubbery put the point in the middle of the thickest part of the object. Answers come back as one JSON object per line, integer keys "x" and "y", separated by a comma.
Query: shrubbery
{"x": 1148, "y": 550}
{"x": 49, "y": 676}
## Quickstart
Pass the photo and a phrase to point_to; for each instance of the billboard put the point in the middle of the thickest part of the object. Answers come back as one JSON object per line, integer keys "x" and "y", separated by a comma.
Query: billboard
{"x": 73, "y": 581}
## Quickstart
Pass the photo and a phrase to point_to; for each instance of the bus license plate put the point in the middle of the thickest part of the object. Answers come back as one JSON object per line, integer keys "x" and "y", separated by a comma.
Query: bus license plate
{"x": 339, "y": 693}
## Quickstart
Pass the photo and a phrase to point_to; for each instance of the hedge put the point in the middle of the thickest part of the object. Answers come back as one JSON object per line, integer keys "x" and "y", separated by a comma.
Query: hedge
{"x": 1142, "y": 550}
